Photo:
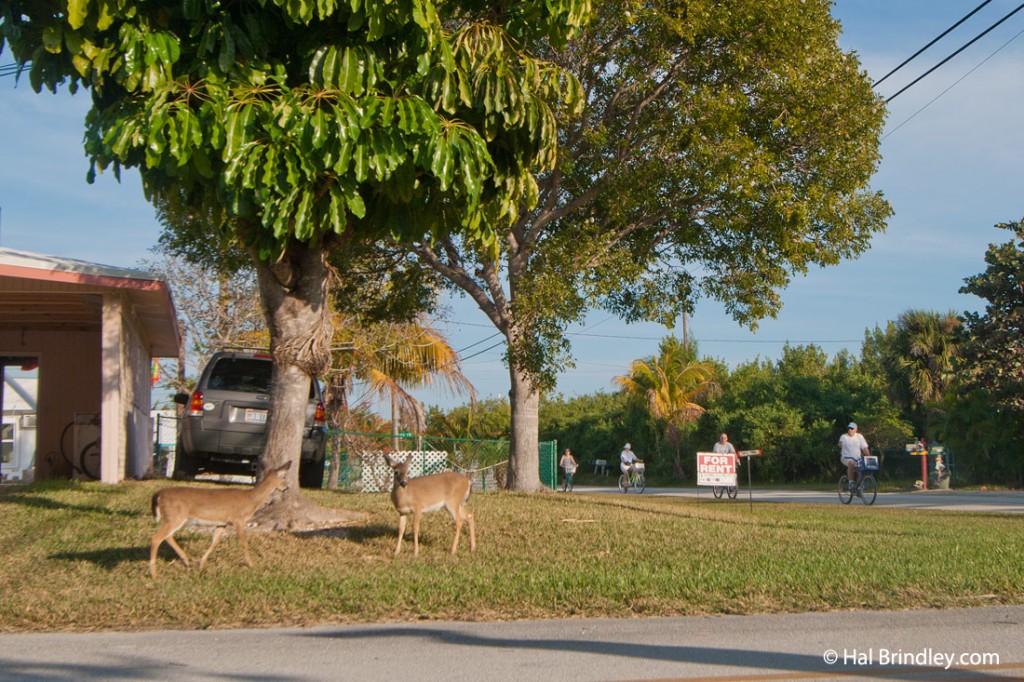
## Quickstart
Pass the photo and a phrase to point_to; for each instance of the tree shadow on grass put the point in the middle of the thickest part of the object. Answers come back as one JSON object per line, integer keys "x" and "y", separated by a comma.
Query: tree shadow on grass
{"x": 109, "y": 557}
{"x": 42, "y": 502}
{"x": 361, "y": 534}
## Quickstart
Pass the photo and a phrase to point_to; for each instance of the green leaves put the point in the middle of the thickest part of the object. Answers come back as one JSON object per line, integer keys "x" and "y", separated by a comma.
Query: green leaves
{"x": 352, "y": 70}
{"x": 314, "y": 117}
{"x": 993, "y": 350}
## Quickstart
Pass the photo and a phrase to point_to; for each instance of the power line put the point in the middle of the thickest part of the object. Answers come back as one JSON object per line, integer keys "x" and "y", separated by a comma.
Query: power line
{"x": 489, "y": 348}
{"x": 9, "y": 69}
{"x": 488, "y": 338}
{"x": 934, "y": 99}
{"x": 964, "y": 47}
{"x": 935, "y": 40}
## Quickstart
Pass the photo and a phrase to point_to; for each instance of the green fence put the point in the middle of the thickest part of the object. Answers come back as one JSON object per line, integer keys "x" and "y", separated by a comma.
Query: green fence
{"x": 482, "y": 460}
{"x": 548, "y": 453}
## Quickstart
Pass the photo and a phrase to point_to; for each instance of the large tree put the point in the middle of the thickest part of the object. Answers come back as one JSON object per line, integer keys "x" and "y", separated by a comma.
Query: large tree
{"x": 725, "y": 146}
{"x": 993, "y": 349}
{"x": 312, "y": 125}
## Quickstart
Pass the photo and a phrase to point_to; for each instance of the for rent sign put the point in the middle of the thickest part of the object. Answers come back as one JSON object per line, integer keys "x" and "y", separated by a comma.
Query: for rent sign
{"x": 716, "y": 469}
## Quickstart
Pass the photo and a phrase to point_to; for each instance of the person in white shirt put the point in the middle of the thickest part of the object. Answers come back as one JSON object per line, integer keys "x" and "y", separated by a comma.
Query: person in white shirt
{"x": 626, "y": 458}
{"x": 568, "y": 464}
{"x": 852, "y": 447}
{"x": 723, "y": 446}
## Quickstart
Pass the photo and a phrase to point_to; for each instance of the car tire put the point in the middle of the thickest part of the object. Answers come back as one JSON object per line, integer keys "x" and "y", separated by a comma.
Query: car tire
{"x": 184, "y": 464}
{"x": 311, "y": 474}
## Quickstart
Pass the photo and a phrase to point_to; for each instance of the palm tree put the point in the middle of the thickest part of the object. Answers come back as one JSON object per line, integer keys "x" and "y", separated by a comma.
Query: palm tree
{"x": 919, "y": 359}
{"x": 391, "y": 358}
{"x": 668, "y": 386}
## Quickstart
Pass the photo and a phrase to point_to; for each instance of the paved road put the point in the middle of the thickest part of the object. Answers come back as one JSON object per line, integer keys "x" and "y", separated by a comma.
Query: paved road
{"x": 1007, "y": 502}
{"x": 984, "y": 643}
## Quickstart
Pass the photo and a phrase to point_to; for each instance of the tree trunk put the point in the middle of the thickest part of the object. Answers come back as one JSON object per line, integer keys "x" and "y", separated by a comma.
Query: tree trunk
{"x": 294, "y": 296}
{"x": 675, "y": 438}
{"x": 524, "y": 459}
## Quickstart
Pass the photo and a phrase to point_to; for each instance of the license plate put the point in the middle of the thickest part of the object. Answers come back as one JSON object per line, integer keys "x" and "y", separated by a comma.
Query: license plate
{"x": 255, "y": 416}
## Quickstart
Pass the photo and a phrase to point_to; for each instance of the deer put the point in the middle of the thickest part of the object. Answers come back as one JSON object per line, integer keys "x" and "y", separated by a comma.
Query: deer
{"x": 428, "y": 494}
{"x": 174, "y": 507}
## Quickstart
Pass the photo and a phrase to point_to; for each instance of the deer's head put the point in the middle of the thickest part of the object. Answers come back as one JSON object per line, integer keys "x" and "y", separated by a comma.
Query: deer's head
{"x": 401, "y": 470}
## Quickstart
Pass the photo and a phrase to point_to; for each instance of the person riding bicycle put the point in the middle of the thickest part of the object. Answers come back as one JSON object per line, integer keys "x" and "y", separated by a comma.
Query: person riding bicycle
{"x": 853, "y": 447}
{"x": 627, "y": 459}
{"x": 723, "y": 446}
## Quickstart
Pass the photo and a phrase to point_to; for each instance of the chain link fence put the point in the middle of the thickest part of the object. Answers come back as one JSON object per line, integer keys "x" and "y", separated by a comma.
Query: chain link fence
{"x": 359, "y": 459}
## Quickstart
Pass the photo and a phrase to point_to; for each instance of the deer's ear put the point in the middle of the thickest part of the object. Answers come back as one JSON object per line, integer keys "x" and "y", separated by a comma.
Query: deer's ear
{"x": 284, "y": 467}
{"x": 388, "y": 459}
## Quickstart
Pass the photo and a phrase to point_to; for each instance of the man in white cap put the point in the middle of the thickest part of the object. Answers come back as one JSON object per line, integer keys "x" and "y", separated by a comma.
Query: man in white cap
{"x": 852, "y": 447}
{"x": 626, "y": 458}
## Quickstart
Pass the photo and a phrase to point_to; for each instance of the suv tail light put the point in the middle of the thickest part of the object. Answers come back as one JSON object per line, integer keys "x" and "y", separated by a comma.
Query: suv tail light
{"x": 195, "y": 407}
{"x": 320, "y": 416}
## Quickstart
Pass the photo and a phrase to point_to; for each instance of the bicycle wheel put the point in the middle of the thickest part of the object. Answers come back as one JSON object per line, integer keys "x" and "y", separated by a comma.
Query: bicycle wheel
{"x": 732, "y": 490}
{"x": 845, "y": 494}
{"x": 717, "y": 491}
{"x": 623, "y": 483}
{"x": 89, "y": 460}
{"x": 868, "y": 489}
{"x": 639, "y": 484}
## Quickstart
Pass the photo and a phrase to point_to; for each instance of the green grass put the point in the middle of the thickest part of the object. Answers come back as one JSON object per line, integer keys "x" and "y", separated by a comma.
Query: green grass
{"x": 76, "y": 555}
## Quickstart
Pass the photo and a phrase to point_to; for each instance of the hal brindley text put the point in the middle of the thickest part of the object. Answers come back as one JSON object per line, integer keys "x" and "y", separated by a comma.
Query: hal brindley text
{"x": 924, "y": 657}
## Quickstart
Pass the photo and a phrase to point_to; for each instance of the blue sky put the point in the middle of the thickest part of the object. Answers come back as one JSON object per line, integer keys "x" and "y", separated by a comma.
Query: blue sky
{"x": 951, "y": 167}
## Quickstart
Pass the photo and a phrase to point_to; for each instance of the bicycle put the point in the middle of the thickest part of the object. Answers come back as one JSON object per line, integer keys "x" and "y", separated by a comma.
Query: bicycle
{"x": 867, "y": 488}
{"x": 634, "y": 477}
{"x": 88, "y": 458}
{"x": 567, "y": 481}
{"x": 719, "y": 490}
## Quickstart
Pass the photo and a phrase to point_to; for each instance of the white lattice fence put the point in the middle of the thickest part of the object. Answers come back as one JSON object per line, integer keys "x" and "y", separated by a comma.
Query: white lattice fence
{"x": 377, "y": 476}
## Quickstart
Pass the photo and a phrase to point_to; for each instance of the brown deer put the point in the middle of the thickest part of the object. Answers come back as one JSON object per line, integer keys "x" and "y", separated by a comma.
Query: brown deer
{"x": 427, "y": 494}
{"x": 173, "y": 507}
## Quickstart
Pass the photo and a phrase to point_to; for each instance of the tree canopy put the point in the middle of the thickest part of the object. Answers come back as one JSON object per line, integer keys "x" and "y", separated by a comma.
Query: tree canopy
{"x": 724, "y": 147}
{"x": 993, "y": 349}
{"x": 312, "y": 125}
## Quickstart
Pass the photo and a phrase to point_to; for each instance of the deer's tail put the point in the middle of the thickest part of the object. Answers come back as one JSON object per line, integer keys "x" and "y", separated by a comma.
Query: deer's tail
{"x": 156, "y": 507}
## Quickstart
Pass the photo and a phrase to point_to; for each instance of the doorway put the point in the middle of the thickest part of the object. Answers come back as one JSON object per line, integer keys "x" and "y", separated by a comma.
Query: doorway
{"x": 19, "y": 379}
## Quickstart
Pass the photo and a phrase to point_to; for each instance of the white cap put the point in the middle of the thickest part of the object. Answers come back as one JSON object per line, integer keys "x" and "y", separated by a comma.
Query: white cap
{"x": 626, "y": 446}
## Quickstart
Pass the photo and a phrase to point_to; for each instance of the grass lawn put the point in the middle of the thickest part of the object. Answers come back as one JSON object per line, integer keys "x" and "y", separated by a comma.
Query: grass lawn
{"x": 76, "y": 556}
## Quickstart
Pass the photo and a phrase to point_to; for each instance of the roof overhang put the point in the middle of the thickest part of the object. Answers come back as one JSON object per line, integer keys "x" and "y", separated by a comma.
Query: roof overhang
{"x": 46, "y": 293}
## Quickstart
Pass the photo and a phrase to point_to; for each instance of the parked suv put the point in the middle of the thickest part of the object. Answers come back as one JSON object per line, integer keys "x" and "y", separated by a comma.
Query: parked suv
{"x": 224, "y": 428}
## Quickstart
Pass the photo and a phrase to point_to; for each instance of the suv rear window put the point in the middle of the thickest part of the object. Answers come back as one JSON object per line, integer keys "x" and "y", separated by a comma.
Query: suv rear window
{"x": 241, "y": 374}
{"x": 248, "y": 375}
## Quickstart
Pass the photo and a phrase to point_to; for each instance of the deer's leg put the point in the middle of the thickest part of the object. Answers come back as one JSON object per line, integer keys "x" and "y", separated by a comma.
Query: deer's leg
{"x": 177, "y": 548}
{"x": 457, "y": 518}
{"x": 401, "y": 532}
{"x": 468, "y": 515}
{"x": 416, "y": 532}
{"x": 240, "y": 529}
{"x": 218, "y": 531}
{"x": 165, "y": 532}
